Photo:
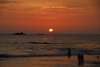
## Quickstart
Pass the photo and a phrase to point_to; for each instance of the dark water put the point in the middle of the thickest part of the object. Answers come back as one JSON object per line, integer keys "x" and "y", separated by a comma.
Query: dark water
{"x": 54, "y": 45}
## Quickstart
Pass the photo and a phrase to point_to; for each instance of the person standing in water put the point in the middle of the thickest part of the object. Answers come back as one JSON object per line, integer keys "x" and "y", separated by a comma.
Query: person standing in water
{"x": 80, "y": 59}
{"x": 69, "y": 52}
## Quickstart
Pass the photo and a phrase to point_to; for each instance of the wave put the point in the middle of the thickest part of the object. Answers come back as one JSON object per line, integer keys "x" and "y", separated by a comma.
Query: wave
{"x": 30, "y": 55}
{"x": 51, "y": 43}
{"x": 39, "y": 55}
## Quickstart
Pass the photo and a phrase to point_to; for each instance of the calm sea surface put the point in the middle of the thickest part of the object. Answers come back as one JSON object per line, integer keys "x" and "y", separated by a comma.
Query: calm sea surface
{"x": 23, "y": 47}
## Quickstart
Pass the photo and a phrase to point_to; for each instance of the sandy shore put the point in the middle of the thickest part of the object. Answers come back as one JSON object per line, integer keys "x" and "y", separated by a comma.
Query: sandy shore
{"x": 62, "y": 61}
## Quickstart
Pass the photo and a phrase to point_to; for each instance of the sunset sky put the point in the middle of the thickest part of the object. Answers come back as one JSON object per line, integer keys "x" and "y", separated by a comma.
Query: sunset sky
{"x": 38, "y": 16}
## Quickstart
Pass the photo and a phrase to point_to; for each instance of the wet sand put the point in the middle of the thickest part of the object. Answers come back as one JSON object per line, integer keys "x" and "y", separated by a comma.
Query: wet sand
{"x": 62, "y": 61}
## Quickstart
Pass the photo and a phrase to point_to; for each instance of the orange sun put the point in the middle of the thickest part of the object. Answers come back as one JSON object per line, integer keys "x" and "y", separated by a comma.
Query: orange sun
{"x": 50, "y": 30}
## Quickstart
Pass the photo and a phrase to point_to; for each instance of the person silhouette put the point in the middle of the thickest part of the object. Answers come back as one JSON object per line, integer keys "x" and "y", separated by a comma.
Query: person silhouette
{"x": 80, "y": 59}
{"x": 79, "y": 56}
{"x": 97, "y": 57}
{"x": 69, "y": 52}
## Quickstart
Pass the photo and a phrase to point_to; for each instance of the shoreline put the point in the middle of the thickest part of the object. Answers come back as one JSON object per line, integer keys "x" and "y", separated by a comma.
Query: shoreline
{"x": 89, "y": 60}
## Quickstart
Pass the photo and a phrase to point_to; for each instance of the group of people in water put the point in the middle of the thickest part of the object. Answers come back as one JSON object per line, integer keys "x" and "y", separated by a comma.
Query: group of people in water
{"x": 80, "y": 57}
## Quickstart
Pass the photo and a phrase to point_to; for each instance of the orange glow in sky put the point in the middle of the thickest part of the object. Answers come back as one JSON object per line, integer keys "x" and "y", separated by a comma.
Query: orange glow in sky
{"x": 37, "y": 16}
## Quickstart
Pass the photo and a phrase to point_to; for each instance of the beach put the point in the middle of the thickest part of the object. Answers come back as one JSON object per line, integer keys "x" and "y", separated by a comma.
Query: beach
{"x": 64, "y": 61}
{"x": 49, "y": 50}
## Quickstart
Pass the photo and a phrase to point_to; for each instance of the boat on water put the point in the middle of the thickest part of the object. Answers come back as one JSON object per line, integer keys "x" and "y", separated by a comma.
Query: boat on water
{"x": 21, "y": 33}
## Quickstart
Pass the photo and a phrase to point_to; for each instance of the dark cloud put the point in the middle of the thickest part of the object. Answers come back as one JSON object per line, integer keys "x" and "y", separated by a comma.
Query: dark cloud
{"x": 7, "y": 2}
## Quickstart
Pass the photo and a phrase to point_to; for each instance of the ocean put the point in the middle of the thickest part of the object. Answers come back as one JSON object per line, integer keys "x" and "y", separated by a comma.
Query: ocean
{"x": 49, "y": 50}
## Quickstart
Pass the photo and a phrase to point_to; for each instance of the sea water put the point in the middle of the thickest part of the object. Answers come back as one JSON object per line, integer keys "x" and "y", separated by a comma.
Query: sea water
{"x": 48, "y": 50}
